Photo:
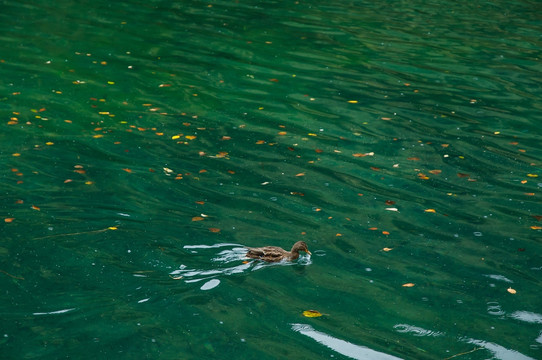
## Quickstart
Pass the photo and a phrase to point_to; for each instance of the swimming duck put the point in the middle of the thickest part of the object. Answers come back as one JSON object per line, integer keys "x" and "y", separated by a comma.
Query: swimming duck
{"x": 276, "y": 254}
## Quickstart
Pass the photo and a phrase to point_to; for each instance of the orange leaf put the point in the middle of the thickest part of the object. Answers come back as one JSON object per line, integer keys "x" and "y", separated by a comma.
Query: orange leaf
{"x": 461, "y": 175}
{"x": 282, "y": 132}
{"x": 408, "y": 285}
{"x": 300, "y": 174}
{"x": 387, "y": 249}
{"x": 259, "y": 142}
{"x": 359, "y": 155}
{"x": 536, "y": 227}
{"x": 385, "y": 232}
{"x": 8, "y": 220}
{"x": 373, "y": 228}
{"x": 127, "y": 170}
{"x": 190, "y": 137}
{"x": 197, "y": 218}
{"x": 200, "y": 202}
{"x": 435, "y": 172}
{"x": 413, "y": 158}
{"x": 511, "y": 291}
{"x": 214, "y": 230}
{"x": 34, "y": 207}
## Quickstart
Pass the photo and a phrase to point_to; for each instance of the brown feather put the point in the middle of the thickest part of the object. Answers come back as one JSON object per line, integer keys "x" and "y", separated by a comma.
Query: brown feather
{"x": 275, "y": 253}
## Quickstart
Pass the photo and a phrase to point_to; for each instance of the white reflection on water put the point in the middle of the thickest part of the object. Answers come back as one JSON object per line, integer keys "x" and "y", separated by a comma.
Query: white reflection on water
{"x": 499, "y": 278}
{"x": 234, "y": 253}
{"x": 342, "y": 347}
{"x": 416, "y": 331}
{"x": 498, "y": 351}
{"x": 53, "y": 312}
{"x": 527, "y": 316}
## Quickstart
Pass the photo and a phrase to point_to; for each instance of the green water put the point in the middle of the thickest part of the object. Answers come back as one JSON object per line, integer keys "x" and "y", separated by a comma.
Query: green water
{"x": 356, "y": 126}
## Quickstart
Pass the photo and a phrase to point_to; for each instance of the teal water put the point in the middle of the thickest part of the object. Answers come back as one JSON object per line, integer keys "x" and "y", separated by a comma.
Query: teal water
{"x": 143, "y": 144}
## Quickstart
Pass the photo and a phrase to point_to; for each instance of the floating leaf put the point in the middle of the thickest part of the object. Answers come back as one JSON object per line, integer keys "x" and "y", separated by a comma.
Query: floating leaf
{"x": 536, "y": 227}
{"x": 385, "y": 232}
{"x": 127, "y": 170}
{"x": 214, "y": 230}
{"x": 430, "y": 210}
{"x": 532, "y": 175}
{"x": 300, "y": 174}
{"x": 312, "y": 313}
{"x": 413, "y": 158}
{"x": 390, "y": 202}
{"x": 8, "y": 220}
{"x": 190, "y": 137}
{"x": 387, "y": 249}
{"x": 197, "y": 218}
{"x": 423, "y": 176}
{"x": 462, "y": 175}
{"x": 537, "y": 217}
{"x": 112, "y": 228}
{"x": 511, "y": 291}
{"x": 435, "y": 172}
{"x": 34, "y": 207}
{"x": 408, "y": 285}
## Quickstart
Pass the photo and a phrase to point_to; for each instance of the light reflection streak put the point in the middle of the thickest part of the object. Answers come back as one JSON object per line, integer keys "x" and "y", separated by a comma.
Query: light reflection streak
{"x": 343, "y": 347}
{"x": 53, "y": 312}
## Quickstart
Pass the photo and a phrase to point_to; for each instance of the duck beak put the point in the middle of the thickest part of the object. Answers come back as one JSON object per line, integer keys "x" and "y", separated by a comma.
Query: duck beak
{"x": 308, "y": 252}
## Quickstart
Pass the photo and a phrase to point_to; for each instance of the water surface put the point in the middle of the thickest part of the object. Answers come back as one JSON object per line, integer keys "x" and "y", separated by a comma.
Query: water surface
{"x": 144, "y": 144}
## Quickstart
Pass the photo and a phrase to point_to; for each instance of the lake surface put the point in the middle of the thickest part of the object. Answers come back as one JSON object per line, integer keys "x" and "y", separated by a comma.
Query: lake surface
{"x": 144, "y": 144}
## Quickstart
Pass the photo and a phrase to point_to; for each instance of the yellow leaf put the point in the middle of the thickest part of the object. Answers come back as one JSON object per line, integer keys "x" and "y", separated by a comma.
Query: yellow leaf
{"x": 408, "y": 285}
{"x": 190, "y": 137}
{"x": 112, "y": 228}
{"x": 532, "y": 175}
{"x": 312, "y": 313}
{"x": 430, "y": 210}
{"x": 387, "y": 249}
{"x": 511, "y": 291}
{"x": 353, "y": 101}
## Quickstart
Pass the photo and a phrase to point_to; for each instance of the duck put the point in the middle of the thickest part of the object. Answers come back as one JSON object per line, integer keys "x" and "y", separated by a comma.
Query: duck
{"x": 276, "y": 254}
